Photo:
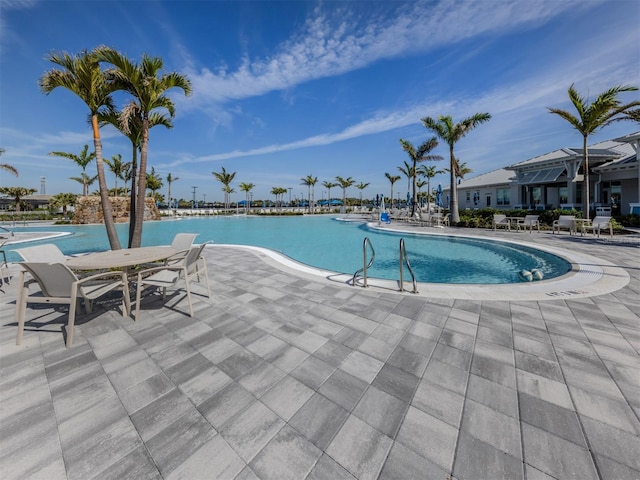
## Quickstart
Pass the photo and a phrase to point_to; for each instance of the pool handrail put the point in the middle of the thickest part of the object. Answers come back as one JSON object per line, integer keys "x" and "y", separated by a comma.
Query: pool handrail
{"x": 365, "y": 265}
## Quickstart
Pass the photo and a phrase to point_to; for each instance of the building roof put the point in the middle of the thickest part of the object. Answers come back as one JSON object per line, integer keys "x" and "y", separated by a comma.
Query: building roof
{"x": 605, "y": 151}
{"x": 496, "y": 177}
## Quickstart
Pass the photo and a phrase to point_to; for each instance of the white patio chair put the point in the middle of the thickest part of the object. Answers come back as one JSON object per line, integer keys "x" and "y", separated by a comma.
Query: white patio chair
{"x": 529, "y": 221}
{"x": 47, "y": 253}
{"x": 501, "y": 220}
{"x": 59, "y": 285}
{"x": 181, "y": 243}
{"x": 565, "y": 222}
{"x": 168, "y": 276}
{"x": 598, "y": 224}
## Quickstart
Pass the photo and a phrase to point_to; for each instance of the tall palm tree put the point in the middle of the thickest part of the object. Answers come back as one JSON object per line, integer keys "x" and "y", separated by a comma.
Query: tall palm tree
{"x": 344, "y": 183}
{"x": 170, "y": 180}
{"x": 418, "y": 155}
{"x": 225, "y": 178}
{"x": 246, "y": 188}
{"x": 428, "y": 172}
{"x": 310, "y": 181}
{"x": 6, "y": 167}
{"x": 329, "y": 185}
{"x": 451, "y": 133}
{"x": 129, "y": 123}
{"x": 393, "y": 179}
{"x": 407, "y": 171}
{"x": 17, "y": 193}
{"x": 361, "y": 186}
{"x": 81, "y": 74}
{"x": 83, "y": 159}
{"x": 148, "y": 88}
{"x": 605, "y": 109}
{"x": 117, "y": 167}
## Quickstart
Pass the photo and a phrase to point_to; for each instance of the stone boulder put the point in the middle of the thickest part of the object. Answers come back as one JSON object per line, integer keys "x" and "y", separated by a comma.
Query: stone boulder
{"x": 89, "y": 210}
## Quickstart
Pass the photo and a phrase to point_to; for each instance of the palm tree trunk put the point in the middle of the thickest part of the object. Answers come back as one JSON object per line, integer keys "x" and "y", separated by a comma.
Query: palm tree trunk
{"x": 453, "y": 206}
{"x": 132, "y": 202}
{"x": 107, "y": 211}
{"x": 585, "y": 168}
{"x": 142, "y": 186}
{"x": 413, "y": 196}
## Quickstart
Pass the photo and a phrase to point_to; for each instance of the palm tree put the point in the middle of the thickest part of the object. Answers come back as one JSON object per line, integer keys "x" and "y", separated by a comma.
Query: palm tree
{"x": 246, "y": 188}
{"x": 417, "y": 156}
{"x": 170, "y": 180}
{"x": 154, "y": 182}
{"x": 63, "y": 200}
{"x": 451, "y": 133}
{"x": 393, "y": 179}
{"x": 429, "y": 171}
{"x": 310, "y": 181}
{"x": 148, "y": 89}
{"x": 420, "y": 184}
{"x": 344, "y": 183}
{"x": 83, "y": 160}
{"x": 407, "y": 171}
{"x": 329, "y": 185}
{"x": 6, "y": 166}
{"x": 118, "y": 168}
{"x": 81, "y": 75}
{"x": 228, "y": 190}
{"x": 86, "y": 182}
{"x": 361, "y": 186}
{"x": 17, "y": 193}
{"x": 605, "y": 109}
{"x": 129, "y": 123}
{"x": 225, "y": 178}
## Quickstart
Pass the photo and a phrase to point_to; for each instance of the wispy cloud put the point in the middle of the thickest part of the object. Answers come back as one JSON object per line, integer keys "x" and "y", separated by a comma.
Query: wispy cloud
{"x": 338, "y": 41}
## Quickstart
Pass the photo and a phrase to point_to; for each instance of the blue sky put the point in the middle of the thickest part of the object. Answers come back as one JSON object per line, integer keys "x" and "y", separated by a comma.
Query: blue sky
{"x": 282, "y": 90}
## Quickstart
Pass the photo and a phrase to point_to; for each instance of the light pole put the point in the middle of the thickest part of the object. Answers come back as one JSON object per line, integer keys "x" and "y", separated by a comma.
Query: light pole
{"x": 194, "y": 197}
{"x": 290, "y": 188}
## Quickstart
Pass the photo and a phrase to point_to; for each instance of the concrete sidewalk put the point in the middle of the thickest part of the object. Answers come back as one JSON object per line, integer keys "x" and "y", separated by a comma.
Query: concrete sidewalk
{"x": 283, "y": 374}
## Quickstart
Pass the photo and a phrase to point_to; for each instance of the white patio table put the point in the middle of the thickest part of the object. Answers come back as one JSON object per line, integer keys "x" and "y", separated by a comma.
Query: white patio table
{"x": 124, "y": 258}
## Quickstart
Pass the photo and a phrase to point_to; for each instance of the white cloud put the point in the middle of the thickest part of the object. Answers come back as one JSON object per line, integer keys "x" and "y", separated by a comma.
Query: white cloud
{"x": 337, "y": 41}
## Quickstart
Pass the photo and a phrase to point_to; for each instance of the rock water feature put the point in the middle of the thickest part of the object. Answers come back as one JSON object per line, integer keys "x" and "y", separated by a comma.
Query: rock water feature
{"x": 89, "y": 210}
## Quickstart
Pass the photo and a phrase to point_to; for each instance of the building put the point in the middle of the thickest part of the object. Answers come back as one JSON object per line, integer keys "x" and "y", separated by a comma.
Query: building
{"x": 554, "y": 180}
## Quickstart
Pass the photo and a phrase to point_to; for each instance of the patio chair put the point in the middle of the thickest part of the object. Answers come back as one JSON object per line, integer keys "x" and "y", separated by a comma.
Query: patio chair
{"x": 47, "y": 253}
{"x": 565, "y": 222}
{"x": 529, "y": 221}
{"x": 501, "y": 220}
{"x": 181, "y": 243}
{"x": 598, "y": 224}
{"x": 59, "y": 285}
{"x": 168, "y": 276}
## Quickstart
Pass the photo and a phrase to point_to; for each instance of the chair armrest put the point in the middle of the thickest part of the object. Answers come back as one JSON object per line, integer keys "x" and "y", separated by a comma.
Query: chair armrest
{"x": 113, "y": 274}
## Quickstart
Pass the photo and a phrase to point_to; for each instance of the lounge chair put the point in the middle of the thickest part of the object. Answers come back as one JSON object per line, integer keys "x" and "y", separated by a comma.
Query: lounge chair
{"x": 501, "y": 220}
{"x": 529, "y": 221}
{"x": 598, "y": 224}
{"x": 168, "y": 276}
{"x": 47, "y": 253}
{"x": 59, "y": 285}
{"x": 564, "y": 222}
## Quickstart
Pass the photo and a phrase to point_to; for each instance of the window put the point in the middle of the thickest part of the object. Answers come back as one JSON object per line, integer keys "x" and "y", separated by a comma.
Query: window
{"x": 503, "y": 196}
{"x": 468, "y": 196}
{"x": 564, "y": 194}
{"x": 536, "y": 194}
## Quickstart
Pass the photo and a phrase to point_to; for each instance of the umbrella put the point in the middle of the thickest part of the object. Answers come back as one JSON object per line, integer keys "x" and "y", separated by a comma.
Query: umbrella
{"x": 439, "y": 196}
{"x": 408, "y": 199}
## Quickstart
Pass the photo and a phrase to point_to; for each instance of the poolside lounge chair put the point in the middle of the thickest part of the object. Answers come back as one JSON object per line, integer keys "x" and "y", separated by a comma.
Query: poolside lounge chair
{"x": 59, "y": 285}
{"x": 529, "y": 221}
{"x": 501, "y": 220}
{"x": 47, "y": 253}
{"x": 565, "y": 222}
{"x": 598, "y": 224}
{"x": 168, "y": 276}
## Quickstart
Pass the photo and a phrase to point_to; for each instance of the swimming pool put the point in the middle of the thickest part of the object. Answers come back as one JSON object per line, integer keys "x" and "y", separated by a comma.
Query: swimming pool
{"x": 325, "y": 243}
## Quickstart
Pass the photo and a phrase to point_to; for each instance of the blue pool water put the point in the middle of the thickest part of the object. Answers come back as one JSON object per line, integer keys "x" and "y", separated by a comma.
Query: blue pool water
{"x": 325, "y": 243}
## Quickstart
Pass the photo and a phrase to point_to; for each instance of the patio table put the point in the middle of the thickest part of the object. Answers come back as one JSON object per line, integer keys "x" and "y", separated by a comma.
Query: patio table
{"x": 124, "y": 258}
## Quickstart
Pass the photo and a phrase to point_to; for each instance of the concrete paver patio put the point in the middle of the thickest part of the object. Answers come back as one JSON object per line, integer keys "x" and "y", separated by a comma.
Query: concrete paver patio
{"x": 285, "y": 375}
